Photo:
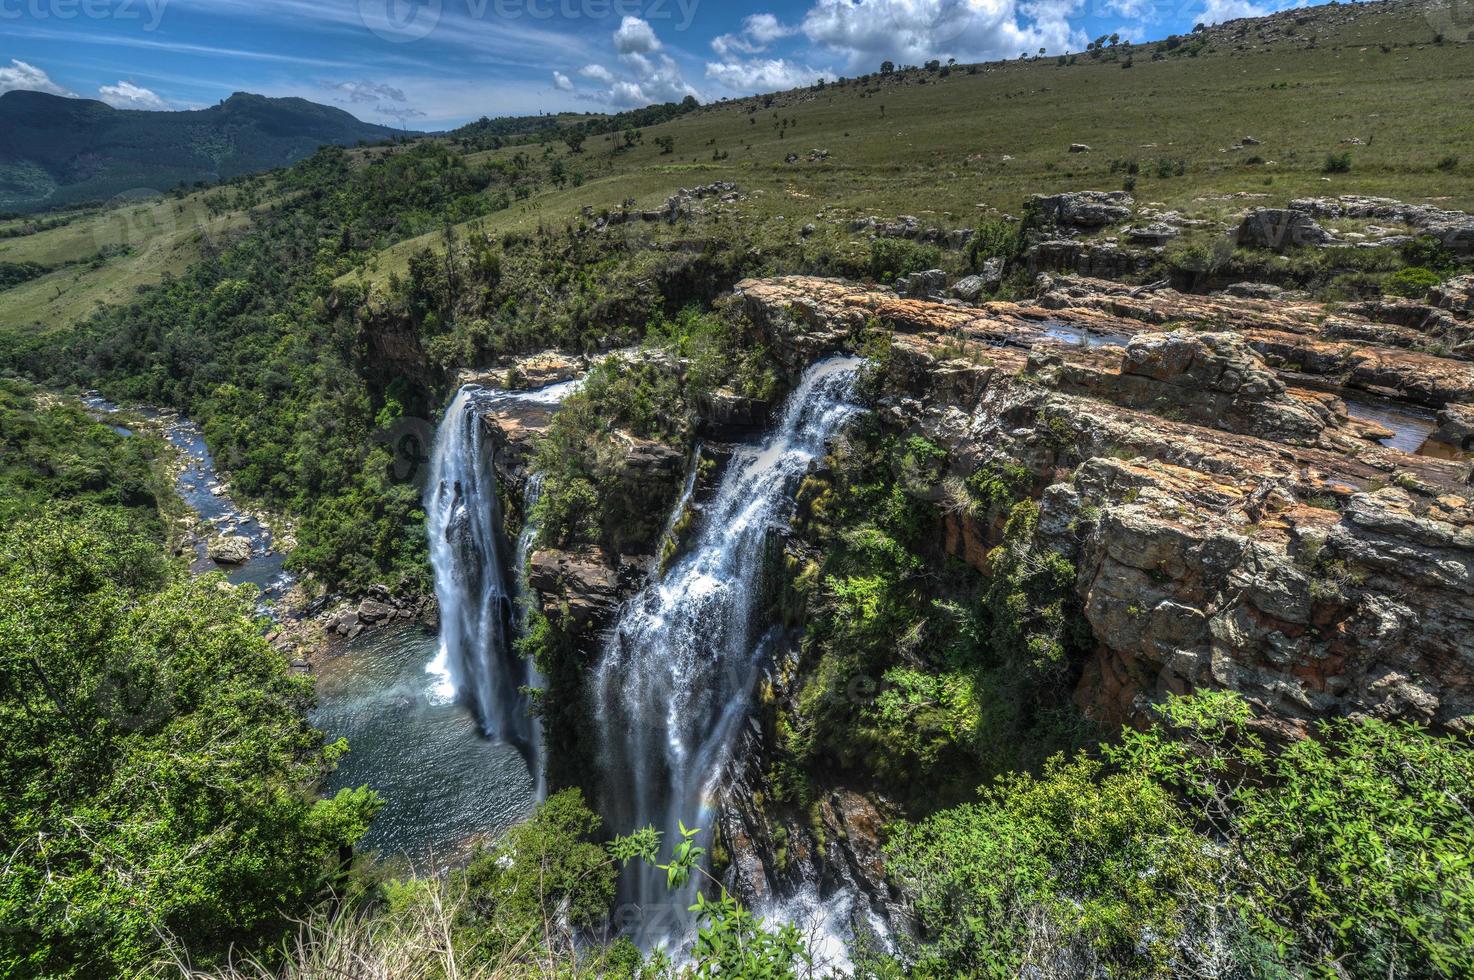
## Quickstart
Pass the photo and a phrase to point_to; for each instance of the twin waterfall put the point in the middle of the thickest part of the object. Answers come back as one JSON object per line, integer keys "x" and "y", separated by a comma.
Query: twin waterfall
{"x": 676, "y": 675}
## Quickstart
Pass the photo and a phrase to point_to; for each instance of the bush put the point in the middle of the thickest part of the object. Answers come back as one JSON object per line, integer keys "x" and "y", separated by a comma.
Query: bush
{"x": 1448, "y": 163}
{"x": 1337, "y": 163}
{"x": 893, "y": 257}
{"x": 1412, "y": 283}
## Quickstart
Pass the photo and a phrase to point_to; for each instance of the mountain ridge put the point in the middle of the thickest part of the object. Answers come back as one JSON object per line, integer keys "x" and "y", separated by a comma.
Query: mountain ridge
{"x": 65, "y": 150}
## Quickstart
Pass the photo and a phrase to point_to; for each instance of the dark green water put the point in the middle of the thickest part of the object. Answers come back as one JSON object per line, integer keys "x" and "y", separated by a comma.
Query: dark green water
{"x": 443, "y": 784}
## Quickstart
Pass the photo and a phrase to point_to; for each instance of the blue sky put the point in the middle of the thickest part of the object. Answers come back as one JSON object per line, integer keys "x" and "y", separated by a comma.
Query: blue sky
{"x": 432, "y": 64}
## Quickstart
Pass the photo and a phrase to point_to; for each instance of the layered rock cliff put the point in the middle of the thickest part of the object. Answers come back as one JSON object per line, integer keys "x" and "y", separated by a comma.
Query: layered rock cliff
{"x": 1230, "y": 529}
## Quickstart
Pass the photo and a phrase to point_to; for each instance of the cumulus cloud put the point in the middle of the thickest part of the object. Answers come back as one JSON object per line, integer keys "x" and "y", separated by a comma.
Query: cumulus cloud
{"x": 562, "y": 81}
{"x": 1218, "y": 11}
{"x": 126, "y": 95}
{"x": 646, "y": 74}
{"x": 764, "y": 74}
{"x": 635, "y": 36}
{"x": 866, "y": 32}
{"x": 758, "y": 31}
{"x": 21, "y": 76}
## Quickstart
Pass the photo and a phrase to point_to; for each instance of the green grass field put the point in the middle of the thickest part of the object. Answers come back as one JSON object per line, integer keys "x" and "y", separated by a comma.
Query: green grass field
{"x": 104, "y": 255}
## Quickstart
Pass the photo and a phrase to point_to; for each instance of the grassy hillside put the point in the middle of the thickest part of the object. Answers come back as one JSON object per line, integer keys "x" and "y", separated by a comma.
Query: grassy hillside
{"x": 102, "y": 256}
{"x": 979, "y": 140}
{"x": 62, "y": 151}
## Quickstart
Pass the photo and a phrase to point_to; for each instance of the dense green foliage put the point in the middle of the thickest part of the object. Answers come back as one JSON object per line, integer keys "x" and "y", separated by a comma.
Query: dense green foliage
{"x": 916, "y": 669}
{"x": 157, "y": 770}
{"x": 1193, "y": 850}
{"x": 52, "y": 450}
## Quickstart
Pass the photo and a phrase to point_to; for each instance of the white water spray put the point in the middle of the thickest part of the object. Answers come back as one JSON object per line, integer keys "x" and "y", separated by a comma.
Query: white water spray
{"x": 478, "y": 615}
{"x": 676, "y": 676}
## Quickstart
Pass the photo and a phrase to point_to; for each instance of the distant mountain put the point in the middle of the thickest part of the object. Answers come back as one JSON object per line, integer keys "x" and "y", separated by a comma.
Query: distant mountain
{"x": 62, "y": 151}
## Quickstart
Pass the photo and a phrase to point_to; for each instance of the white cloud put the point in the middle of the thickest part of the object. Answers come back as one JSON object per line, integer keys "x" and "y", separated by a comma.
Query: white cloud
{"x": 646, "y": 73}
{"x": 126, "y": 95}
{"x": 758, "y": 31}
{"x": 913, "y": 31}
{"x": 764, "y": 74}
{"x": 635, "y": 36}
{"x": 21, "y": 76}
{"x": 1218, "y": 11}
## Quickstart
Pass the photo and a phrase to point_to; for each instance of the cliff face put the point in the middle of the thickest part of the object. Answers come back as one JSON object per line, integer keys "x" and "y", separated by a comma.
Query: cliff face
{"x": 1230, "y": 529}
{"x": 1233, "y": 524}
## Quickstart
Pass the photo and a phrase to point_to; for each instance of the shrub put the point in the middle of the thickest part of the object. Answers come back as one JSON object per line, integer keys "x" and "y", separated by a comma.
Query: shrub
{"x": 1337, "y": 163}
{"x": 893, "y": 257}
{"x": 1412, "y": 283}
{"x": 1447, "y": 163}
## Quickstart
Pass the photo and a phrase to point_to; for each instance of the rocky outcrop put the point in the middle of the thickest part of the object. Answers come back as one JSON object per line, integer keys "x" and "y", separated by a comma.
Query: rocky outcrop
{"x": 582, "y": 585}
{"x": 1255, "y": 542}
{"x": 1082, "y": 209}
{"x": 1280, "y": 229}
{"x": 1453, "y": 229}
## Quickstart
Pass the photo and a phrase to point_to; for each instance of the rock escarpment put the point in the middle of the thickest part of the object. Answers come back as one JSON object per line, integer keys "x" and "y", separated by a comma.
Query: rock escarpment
{"x": 1229, "y": 529}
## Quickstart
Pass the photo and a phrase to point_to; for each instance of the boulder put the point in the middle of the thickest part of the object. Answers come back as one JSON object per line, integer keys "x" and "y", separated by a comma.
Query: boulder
{"x": 1152, "y": 235}
{"x": 1253, "y": 290}
{"x": 1079, "y": 148}
{"x": 970, "y": 289}
{"x": 1456, "y": 296}
{"x": 922, "y": 285}
{"x": 372, "y": 611}
{"x": 1084, "y": 209}
{"x": 230, "y": 549}
{"x": 1280, "y": 229}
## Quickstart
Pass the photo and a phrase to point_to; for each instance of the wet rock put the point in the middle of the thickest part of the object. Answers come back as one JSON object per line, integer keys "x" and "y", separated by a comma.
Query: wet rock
{"x": 584, "y": 583}
{"x": 727, "y": 415}
{"x": 230, "y": 549}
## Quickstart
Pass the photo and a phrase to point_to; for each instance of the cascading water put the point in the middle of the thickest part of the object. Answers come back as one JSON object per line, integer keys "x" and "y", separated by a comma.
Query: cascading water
{"x": 478, "y": 613}
{"x": 677, "y": 673}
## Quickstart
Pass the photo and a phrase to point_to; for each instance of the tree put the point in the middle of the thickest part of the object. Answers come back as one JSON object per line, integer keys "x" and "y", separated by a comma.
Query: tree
{"x": 887, "y": 67}
{"x": 157, "y": 765}
{"x": 574, "y": 138}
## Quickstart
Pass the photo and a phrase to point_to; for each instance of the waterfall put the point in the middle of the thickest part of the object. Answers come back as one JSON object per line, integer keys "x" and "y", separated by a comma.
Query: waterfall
{"x": 677, "y": 672}
{"x": 476, "y": 660}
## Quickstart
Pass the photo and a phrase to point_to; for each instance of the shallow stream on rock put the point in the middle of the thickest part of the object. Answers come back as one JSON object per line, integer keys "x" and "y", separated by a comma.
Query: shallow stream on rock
{"x": 202, "y": 489}
{"x": 1412, "y": 429}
